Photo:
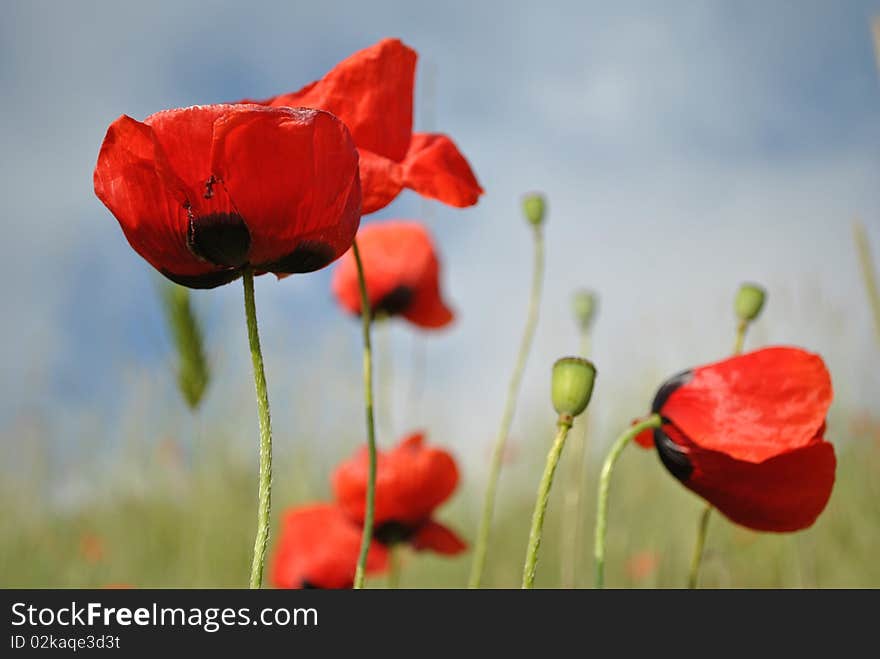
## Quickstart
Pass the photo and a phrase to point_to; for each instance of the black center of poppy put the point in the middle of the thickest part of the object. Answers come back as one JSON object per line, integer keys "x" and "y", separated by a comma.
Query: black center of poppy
{"x": 397, "y": 301}
{"x": 305, "y": 584}
{"x": 207, "y": 280}
{"x": 666, "y": 389}
{"x": 673, "y": 458}
{"x": 309, "y": 255}
{"x": 221, "y": 238}
{"x": 392, "y": 533}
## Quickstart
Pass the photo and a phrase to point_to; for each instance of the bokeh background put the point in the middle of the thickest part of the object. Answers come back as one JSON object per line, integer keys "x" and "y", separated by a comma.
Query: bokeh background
{"x": 683, "y": 147}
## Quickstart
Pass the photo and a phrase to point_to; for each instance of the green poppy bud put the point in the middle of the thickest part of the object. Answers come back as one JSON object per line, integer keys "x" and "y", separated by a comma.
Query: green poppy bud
{"x": 572, "y": 386}
{"x": 585, "y": 305}
{"x": 749, "y": 302}
{"x": 534, "y": 207}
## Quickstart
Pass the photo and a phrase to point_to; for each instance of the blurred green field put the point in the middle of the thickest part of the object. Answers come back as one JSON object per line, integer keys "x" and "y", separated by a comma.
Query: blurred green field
{"x": 169, "y": 517}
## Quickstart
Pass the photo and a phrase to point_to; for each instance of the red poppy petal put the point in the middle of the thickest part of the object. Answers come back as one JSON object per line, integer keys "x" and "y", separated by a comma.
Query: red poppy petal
{"x": 433, "y": 536}
{"x": 435, "y": 168}
{"x": 428, "y": 310}
{"x": 150, "y": 212}
{"x": 401, "y": 271}
{"x": 785, "y": 493}
{"x": 644, "y": 439}
{"x": 292, "y": 175}
{"x": 411, "y": 481}
{"x": 319, "y": 546}
{"x": 753, "y": 406}
{"x": 371, "y": 92}
{"x": 381, "y": 181}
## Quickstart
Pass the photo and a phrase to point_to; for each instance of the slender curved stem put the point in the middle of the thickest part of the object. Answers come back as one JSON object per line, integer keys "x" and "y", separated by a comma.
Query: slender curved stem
{"x": 574, "y": 497}
{"x": 653, "y": 421}
{"x": 366, "y": 320}
{"x": 696, "y": 559}
{"x": 265, "y": 489}
{"x": 563, "y": 426}
{"x": 869, "y": 274}
{"x": 703, "y": 522}
{"x": 482, "y": 543}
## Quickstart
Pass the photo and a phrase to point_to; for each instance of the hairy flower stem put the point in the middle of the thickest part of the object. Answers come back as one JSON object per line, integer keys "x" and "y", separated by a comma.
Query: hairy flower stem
{"x": 574, "y": 497}
{"x": 653, "y": 421}
{"x": 394, "y": 568}
{"x": 703, "y": 522}
{"x": 366, "y": 320}
{"x": 563, "y": 426}
{"x": 265, "y": 489}
{"x": 482, "y": 543}
{"x": 869, "y": 274}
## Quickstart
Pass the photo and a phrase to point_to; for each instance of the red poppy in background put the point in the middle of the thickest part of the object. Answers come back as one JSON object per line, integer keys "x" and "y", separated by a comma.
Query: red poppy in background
{"x": 747, "y": 435}
{"x": 318, "y": 548}
{"x": 201, "y": 192}
{"x": 372, "y": 93}
{"x": 402, "y": 273}
{"x": 412, "y": 480}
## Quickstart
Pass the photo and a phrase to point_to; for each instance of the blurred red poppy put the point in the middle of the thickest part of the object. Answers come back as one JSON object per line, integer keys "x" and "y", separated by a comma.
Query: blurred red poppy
{"x": 402, "y": 273}
{"x": 201, "y": 192}
{"x": 318, "y": 548}
{"x": 412, "y": 480}
{"x": 372, "y": 92}
{"x": 747, "y": 434}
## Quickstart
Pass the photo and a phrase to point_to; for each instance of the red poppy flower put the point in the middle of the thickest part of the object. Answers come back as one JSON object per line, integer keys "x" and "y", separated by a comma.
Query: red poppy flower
{"x": 402, "y": 274}
{"x": 201, "y": 192}
{"x": 747, "y": 434}
{"x": 412, "y": 479}
{"x": 319, "y": 547}
{"x": 372, "y": 92}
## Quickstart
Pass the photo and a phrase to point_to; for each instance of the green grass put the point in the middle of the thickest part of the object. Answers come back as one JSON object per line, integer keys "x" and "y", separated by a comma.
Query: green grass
{"x": 163, "y": 520}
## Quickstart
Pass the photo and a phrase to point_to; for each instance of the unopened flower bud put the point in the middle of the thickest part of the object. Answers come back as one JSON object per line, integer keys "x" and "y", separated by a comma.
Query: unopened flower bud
{"x": 585, "y": 304}
{"x": 572, "y": 387}
{"x": 534, "y": 207}
{"x": 749, "y": 301}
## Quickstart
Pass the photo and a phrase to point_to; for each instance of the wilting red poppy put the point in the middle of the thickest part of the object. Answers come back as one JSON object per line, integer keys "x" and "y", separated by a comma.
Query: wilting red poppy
{"x": 372, "y": 92}
{"x": 412, "y": 480}
{"x": 318, "y": 548}
{"x": 747, "y": 434}
{"x": 201, "y": 192}
{"x": 402, "y": 274}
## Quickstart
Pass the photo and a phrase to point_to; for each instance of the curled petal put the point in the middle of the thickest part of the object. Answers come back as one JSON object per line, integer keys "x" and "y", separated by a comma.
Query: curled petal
{"x": 435, "y": 168}
{"x": 433, "y": 536}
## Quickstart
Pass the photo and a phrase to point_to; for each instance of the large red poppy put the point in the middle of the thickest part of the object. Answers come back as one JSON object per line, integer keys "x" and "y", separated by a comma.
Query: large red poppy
{"x": 402, "y": 273}
{"x": 747, "y": 434}
{"x": 201, "y": 192}
{"x": 412, "y": 480}
{"x": 318, "y": 548}
{"x": 372, "y": 92}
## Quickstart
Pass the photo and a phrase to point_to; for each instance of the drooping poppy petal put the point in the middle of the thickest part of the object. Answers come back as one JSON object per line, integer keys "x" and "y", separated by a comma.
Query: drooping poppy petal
{"x": 784, "y": 493}
{"x": 435, "y": 168}
{"x": 433, "y": 536}
{"x": 402, "y": 274}
{"x": 372, "y": 93}
{"x": 201, "y": 192}
{"x": 318, "y": 547}
{"x": 753, "y": 406}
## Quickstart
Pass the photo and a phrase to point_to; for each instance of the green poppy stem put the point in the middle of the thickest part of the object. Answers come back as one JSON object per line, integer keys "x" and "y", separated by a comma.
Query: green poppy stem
{"x": 574, "y": 497}
{"x": 482, "y": 543}
{"x": 869, "y": 273}
{"x": 563, "y": 426}
{"x": 366, "y": 320}
{"x": 653, "y": 421}
{"x": 394, "y": 568}
{"x": 265, "y": 488}
{"x": 703, "y": 522}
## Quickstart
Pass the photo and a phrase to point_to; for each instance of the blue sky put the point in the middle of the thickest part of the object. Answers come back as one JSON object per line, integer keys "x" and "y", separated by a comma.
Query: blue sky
{"x": 684, "y": 147}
